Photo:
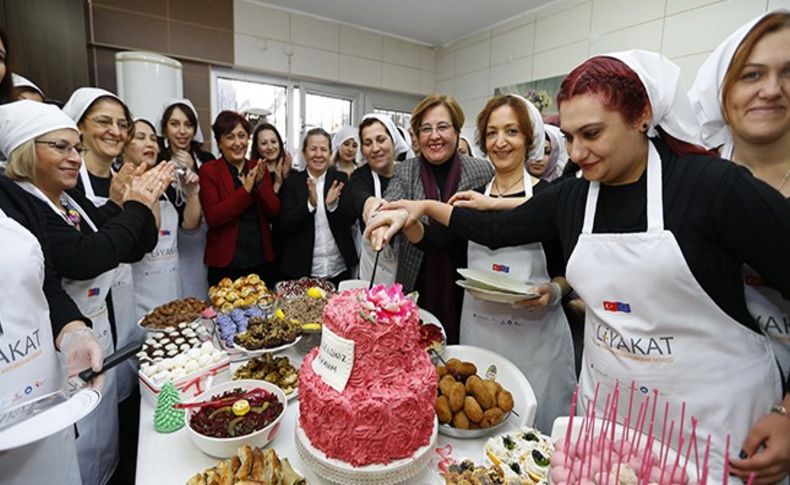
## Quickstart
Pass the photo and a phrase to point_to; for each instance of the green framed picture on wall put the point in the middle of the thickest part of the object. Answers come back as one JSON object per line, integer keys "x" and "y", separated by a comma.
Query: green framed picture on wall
{"x": 542, "y": 93}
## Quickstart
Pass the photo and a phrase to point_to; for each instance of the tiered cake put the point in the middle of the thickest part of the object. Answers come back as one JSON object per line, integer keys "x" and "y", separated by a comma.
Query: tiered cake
{"x": 386, "y": 411}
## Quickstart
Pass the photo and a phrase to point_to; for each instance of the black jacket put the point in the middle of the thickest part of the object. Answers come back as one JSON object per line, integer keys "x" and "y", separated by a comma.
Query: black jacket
{"x": 296, "y": 225}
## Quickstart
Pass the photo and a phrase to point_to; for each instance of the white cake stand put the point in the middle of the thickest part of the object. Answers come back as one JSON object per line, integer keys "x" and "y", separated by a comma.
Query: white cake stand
{"x": 343, "y": 473}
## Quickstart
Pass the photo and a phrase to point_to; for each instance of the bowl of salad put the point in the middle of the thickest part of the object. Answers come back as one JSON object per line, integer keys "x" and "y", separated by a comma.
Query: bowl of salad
{"x": 230, "y": 415}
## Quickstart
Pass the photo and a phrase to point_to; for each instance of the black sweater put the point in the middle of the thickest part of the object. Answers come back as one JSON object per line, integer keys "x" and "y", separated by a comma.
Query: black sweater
{"x": 124, "y": 236}
{"x": 720, "y": 215}
{"x": 360, "y": 187}
{"x": 16, "y": 203}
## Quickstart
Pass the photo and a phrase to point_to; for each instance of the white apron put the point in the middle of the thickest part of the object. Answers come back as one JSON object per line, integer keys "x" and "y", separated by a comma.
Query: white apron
{"x": 772, "y": 313}
{"x": 649, "y": 321}
{"x": 29, "y": 365}
{"x": 126, "y": 327}
{"x": 191, "y": 250}
{"x": 97, "y": 440}
{"x": 538, "y": 342}
{"x": 156, "y": 277}
{"x": 388, "y": 259}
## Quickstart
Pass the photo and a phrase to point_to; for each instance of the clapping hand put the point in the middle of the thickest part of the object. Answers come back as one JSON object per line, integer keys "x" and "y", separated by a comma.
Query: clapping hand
{"x": 149, "y": 187}
{"x": 333, "y": 194}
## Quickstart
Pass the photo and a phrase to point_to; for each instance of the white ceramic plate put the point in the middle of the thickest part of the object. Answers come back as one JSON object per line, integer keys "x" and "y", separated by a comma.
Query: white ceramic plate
{"x": 495, "y": 296}
{"x": 271, "y": 350}
{"x": 508, "y": 375}
{"x": 496, "y": 281}
{"x": 49, "y": 422}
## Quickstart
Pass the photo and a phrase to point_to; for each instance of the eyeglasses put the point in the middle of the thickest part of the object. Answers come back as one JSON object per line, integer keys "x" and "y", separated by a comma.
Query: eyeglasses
{"x": 441, "y": 128}
{"x": 64, "y": 147}
{"x": 106, "y": 122}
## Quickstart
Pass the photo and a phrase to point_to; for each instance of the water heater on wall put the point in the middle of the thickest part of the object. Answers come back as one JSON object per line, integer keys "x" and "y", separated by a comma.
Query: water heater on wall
{"x": 146, "y": 80}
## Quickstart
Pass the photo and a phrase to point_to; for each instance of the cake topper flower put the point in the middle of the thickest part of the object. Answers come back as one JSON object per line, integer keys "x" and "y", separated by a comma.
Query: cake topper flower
{"x": 385, "y": 304}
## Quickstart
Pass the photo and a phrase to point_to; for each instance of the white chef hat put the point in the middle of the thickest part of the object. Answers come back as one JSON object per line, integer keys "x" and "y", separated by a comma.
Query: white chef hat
{"x": 170, "y": 102}
{"x": 23, "y": 82}
{"x": 671, "y": 106}
{"x": 538, "y": 132}
{"x": 22, "y": 121}
{"x": 343, "y": 134}
{"x": 705, "y": 93}
{"x": 559, "y": 153}
{"x": 82, "y": 99}
{"x": 399, "y": 143}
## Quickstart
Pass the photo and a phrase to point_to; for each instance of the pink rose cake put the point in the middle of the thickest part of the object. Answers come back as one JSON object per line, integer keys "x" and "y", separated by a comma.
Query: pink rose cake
{"x": 386, "y": 412}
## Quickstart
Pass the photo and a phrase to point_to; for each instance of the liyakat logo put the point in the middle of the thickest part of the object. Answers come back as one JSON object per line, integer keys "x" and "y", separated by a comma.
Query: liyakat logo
{"x": 94, "y": 291}
{"x": 617, "y": 307}
{"x": 164, "y": 232}
{"x": 500, "y": 268}
{"x": 643, "y": 347}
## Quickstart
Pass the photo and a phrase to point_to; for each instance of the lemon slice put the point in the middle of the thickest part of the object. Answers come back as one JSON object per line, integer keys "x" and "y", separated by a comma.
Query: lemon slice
{"x": 316, "y": 292}
{"x": 241, "y": 407}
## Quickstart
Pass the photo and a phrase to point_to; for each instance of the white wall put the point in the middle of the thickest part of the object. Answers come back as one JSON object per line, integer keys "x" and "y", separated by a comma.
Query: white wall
{"x": 553, "y": 40}
{"x": 329, "y": 51}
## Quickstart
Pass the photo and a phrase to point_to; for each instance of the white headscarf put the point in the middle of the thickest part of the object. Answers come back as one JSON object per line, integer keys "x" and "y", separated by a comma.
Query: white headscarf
{"x": 705, "y": 93}
{"x": 170, "y": 102}
{"x": 404, "y": 133}
{"x": 399, "y": 143}
{"x": 471, "y": 146}
{"x": 343, "y": 134}
{"x": 22, "y": 121}
{"x": 23, "y": 82}
{"x": 559, "y": 153}
{"x": 82, "y": 99}
{"x": 671, "y": 106}
{"x": 538, "y": 146}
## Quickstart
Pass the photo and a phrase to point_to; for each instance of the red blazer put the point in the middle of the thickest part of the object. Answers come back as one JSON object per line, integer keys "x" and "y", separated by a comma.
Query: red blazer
{"x": 223, "y": 204}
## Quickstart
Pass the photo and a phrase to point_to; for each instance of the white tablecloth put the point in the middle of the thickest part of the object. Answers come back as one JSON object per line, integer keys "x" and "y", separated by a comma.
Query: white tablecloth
{"x": 172, "y": 458}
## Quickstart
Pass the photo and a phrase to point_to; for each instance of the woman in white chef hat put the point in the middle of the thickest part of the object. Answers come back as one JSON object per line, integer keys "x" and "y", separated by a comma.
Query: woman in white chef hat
{"x": 24, "y": 88}
{"x": 650, "y": 249}
{"x": 182, "y": 142}
{"x": 742, "y": 95}
{"x": 38, "y": 310}
{"x": 87, "y": 245}
{"x": 345, "y": 145}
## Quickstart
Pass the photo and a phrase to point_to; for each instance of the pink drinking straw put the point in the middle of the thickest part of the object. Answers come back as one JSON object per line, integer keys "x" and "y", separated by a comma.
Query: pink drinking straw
{"x": 570, "y": 421}
{"x": 630, "y": 405}
{"x": 694, "y": 422}
{"x": 636, "y": 425}
{"x": 726, "y": 461}
{"x": 704, "y": 479}
{"x": 663, "y": 430}
{"x": 677, "y": 458}
{"x": 664, "y": 458}
{"x": 638, "y": 429}
{"x": 646, "y": 456}
{"x": 692, "y": 442}
{"x": 620, "y": 460}
{"x": 682, "y": 417}
{"x": 608, "y": 406}
{"x": 607, "y": 466}
{"x": 653, "y": 413}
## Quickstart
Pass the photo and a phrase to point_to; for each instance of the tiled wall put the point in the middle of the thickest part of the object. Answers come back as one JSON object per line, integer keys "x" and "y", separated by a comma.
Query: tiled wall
{"x": 328, "y": 51}
{"x": 553, "y": 40}
{"x": 196, "y": 32}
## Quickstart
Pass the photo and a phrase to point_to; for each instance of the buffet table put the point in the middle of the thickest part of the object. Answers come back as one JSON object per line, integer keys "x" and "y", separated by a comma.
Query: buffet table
{"x": 172, "y": 458}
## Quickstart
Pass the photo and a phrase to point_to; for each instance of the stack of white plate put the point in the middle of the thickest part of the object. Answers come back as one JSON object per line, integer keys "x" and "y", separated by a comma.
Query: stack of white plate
{"x": 495, "y": 287}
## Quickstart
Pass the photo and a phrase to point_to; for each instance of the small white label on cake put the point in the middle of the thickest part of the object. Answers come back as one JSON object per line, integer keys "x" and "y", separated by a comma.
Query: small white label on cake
{"x": 335, "y": 359}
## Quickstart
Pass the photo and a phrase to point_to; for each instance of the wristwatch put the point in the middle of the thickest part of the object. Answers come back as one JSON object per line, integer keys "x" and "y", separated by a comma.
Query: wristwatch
{"x": 779, "y": 409}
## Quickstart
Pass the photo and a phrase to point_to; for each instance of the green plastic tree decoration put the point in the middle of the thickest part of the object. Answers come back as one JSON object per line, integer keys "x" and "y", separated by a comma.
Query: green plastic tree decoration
{"x": 168, "y": 419}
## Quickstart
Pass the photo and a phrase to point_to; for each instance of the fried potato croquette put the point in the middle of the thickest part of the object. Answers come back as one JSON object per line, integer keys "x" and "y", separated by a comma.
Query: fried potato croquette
{"x": 472, "y": 409}
{"x": 443, "y": 411}
{"x": 504, "y": 401}
{"x": 491, "y": 417}
{"x": 456, "y": 397}
{"x": 445, "y": 383}
{"x": 460, "y": 420}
